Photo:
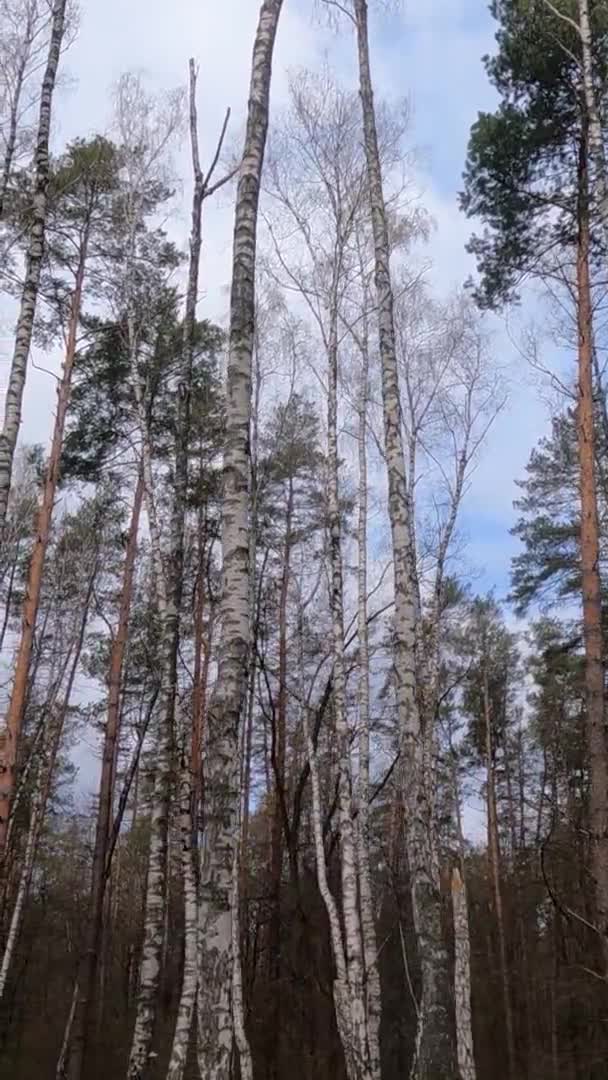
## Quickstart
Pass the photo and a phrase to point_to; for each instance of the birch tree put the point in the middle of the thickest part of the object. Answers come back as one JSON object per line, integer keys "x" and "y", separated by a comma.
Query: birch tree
{"x": 33, "y": 263}
{"x": 434, "y": 1054}
{"x": 221, "y": 776}
{"x": 23, "y": 29}
{"x": 317, "y": 180}
{"x": 204, "y": 186}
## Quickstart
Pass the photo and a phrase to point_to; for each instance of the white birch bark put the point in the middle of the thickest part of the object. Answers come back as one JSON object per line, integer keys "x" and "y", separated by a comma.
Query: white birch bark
{"x": 435, "y": 1056}
{"x": 368, "y": 929}
{"x": 221, "y": 772}
{"x": 33, "y": 266}
{"x": 596, "y": 136}
{"x": 353, "y": 1001}
{"x": 462, "y": 978}
{"x": 238, "y": 1003}
{"x": 62, "y": 1060}
{"x": 340, "y": 988}
{"x": 24, "y": 883}
{"x": 156, "y": 882}
{"x": 136, "y": 126}
{"x": 356, "y": 1053}
{"x": 185, "y": 1012}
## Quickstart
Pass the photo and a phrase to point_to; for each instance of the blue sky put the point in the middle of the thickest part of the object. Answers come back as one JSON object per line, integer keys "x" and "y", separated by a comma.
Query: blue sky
{"x": 429, "y": 53}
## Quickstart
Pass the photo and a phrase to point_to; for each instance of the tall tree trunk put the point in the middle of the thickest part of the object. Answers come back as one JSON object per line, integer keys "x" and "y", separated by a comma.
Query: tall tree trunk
{"x": 238, "y": 1000}
{"x": 278, "y": 763}
{"x": 597, "y": 154}
{"x": 589, "y": 546}
{"x": 200, "y": 674}
{"x": 462, "y": 978}
{"x": 33, "y": 267}
{"x": 221, "y": 775}
{"x": 373, "y": 999}
{"x": 188, "y": 806}
{"x": 494, "y": 858}
{"x": 435, "y": 1049}
{"x": 88, "y": 968}
{"x": 353, "y": 1030}
{"x": 462, "y": 940}
{"x": 185, "y": 1012}
{"x": 156, "y": 881}
{"x": 169, "y": 590}
{"x": 14, "y": 719}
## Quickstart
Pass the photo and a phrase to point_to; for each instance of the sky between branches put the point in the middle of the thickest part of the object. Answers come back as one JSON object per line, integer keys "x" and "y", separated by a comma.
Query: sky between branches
{"x": 428, "y": 52}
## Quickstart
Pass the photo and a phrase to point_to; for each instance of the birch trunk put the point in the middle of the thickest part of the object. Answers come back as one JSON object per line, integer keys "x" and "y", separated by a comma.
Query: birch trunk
{"x": 156, "y": 882}
{"x": 238, "y": 1002}
{"x": 24, "y": 884}
{"x": 189, "y": 798}
{"x": 169, "y": 583}
{"x": 16, "y": 709}
{"x": 435, "y": 1057}
{"x": 372, "y": 977}
{"x": 462, "y": 941}
{"x": 462, "y": 978}
{"x": 278, "y": 764}
{"x": 596, "y": 137}
{"x": 33, "y": 267}
{"x": 355, "y": 1030}
{"x": 221, "y": 774}
{"x": 60, "y": 1072}
{"x": 88, "y": 973}
{"x": 185, "y": 1012}
{"x": 494, "y": 857}
{"x": 340, "y": 987}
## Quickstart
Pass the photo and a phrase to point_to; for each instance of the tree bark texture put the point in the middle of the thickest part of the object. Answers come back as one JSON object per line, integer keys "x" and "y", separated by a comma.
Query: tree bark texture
{"x": 462, "y": 978}
{"x": 221, "y": 775}
{"x": 591, "y": 584}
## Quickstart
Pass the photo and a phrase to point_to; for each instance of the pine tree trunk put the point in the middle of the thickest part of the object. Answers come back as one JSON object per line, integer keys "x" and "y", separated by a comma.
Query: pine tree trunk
{"x": 33, "y": 267}
{"x": 462, "y": 978}
{"x": 435, "y": 1050}
{"x": 88, "y": 969}
{"x": 592, "y": 596}
{"x": 50, "y": 749}
{"x": 221, "y": 775}
{"x": 14, "y": 719}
